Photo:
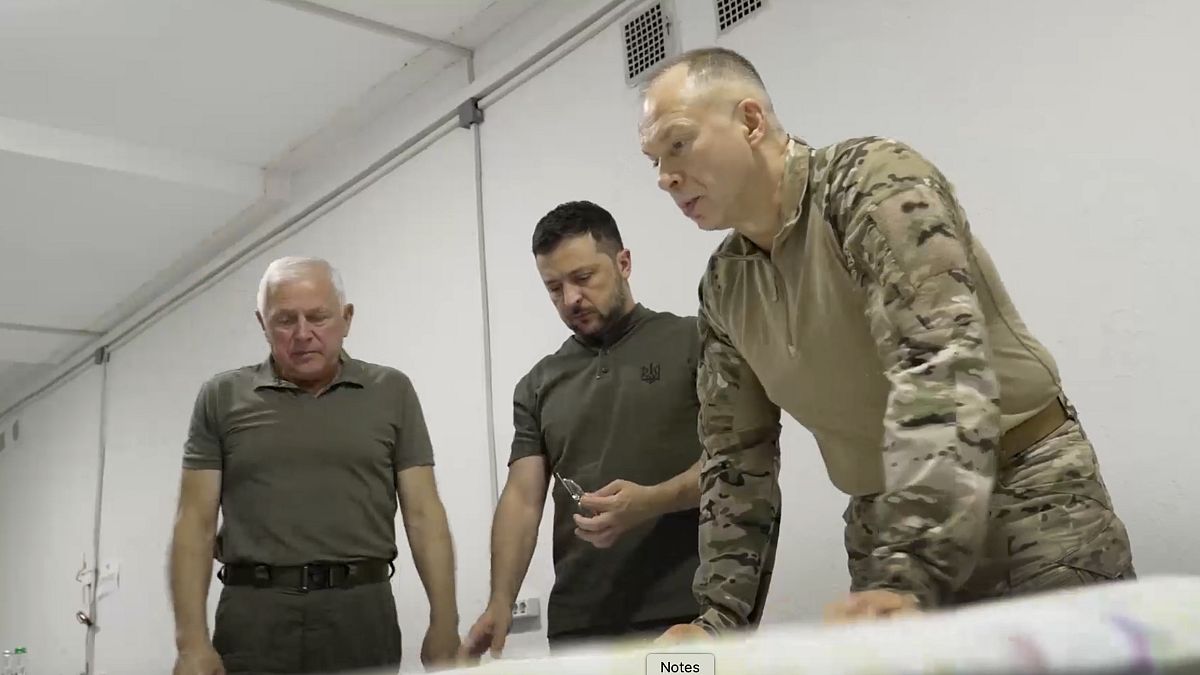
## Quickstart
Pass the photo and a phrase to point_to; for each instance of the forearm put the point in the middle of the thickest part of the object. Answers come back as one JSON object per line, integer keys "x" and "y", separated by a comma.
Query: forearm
{"x": 932, "y": 516}
{"x": 190, "y": 575}
{"x": 433, "y": 556}
{"x": 941, "y": 427}
{"x": 739, "y": 506}
{"x": 514, "y": 537}
{"x": 739, "y": 483}
{"x": 679, "y": 493}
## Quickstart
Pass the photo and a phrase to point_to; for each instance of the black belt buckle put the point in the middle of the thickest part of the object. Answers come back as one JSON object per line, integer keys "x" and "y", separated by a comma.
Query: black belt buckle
{"x": 314, "y": 577}
{"x": 261, "y": 576}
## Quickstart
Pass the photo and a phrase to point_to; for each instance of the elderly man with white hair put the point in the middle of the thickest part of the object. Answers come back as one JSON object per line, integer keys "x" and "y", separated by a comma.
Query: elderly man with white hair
{"x": 306, "y": 455}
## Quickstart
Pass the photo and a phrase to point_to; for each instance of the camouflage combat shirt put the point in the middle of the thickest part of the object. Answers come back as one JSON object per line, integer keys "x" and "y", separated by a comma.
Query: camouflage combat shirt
{"x": 880, "y": 324}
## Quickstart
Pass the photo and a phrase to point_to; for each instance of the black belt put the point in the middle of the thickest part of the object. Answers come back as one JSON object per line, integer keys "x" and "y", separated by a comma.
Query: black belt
{"x": 310, "y": 577}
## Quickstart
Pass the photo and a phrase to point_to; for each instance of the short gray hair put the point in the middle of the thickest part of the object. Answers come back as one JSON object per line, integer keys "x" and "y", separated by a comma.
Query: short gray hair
{"x": 712, "y": 63}
{"x": 708, "y": 65}
{"x": 291, "y": 268}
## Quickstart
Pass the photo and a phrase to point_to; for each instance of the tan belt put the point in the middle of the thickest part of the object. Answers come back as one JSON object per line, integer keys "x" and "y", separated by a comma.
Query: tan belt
{"x": 1027, "y": 433}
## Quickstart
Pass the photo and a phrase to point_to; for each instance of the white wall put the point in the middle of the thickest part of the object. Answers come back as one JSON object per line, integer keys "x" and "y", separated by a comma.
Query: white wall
{"x": 1068, "y": 129}
{"x": 47, "y": 518}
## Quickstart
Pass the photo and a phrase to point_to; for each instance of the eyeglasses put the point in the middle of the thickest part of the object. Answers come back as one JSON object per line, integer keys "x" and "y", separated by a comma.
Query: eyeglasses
{"x": 575, "y": 492}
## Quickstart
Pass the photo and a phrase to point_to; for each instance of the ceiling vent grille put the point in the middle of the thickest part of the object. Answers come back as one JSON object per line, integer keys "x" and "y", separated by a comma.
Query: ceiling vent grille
{"x": 732, "y": 12}
{"x": 648, "y": 41}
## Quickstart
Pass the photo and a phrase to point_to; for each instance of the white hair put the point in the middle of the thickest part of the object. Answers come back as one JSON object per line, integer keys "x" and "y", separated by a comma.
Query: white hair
{"x": 292, "y": 268}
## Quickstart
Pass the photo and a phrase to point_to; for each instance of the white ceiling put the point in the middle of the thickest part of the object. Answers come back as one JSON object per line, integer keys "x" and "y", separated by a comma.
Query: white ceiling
{"x": 131, "y": 131}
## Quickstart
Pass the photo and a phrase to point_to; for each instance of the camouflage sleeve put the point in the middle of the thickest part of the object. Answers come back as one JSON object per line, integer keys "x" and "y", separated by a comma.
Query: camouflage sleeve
{"x": 739, "y": 483}
{"x": 909, "y": 241}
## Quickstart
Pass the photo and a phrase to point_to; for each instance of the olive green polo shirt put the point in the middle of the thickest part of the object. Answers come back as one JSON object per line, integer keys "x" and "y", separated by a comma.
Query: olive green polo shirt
{"x": 307, "y": 478}
{"x": 625, "y": 408}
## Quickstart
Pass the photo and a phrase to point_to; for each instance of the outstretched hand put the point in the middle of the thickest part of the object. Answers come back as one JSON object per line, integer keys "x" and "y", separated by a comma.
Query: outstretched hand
{"x": 487, "y": 635}
{"x": 682, "y": 632}
{"x": 874, "y": 604}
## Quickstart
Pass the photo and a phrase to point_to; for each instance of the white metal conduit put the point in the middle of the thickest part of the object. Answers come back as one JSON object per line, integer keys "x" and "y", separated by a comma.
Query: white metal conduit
{"x": 94, "y": 592}
{"x": 484, "y": 306}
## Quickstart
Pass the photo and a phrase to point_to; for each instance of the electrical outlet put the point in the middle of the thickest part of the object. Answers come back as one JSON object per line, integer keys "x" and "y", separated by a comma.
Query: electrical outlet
{"x": 109, "y": 579}
{"x": 111, "y": 572}
{"x": 525, "y": 609}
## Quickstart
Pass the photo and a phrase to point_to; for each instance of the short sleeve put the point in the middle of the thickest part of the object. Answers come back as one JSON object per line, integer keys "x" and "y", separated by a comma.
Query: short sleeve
{"x": 527, "y": 431}
{"x": 413, "y": 446}
{"x": 202, "y": 449}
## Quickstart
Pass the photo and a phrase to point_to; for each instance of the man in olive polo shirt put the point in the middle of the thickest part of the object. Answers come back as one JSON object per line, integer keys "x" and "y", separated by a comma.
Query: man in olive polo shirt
{"x": 615, "y": 411}
{"x": 304, "y": 455}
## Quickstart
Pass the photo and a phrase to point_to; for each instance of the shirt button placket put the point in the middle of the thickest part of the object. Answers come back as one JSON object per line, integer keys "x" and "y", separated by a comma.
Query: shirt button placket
{"x": 779, "y": 295}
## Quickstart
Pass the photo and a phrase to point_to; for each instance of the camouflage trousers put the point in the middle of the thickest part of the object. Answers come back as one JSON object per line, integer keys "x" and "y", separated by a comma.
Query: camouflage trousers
{"x": 1051, "y": 525}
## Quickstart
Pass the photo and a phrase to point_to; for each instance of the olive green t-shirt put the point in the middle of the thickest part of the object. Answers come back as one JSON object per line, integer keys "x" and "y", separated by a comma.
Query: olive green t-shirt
{"x": 307, "y": 478}
{"x": 621, "y": 408}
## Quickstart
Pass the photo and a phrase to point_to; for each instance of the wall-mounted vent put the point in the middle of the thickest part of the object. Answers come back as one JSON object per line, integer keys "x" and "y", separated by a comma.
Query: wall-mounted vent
{"x": 732, "y": 12}
{"x": 648, "y": 41}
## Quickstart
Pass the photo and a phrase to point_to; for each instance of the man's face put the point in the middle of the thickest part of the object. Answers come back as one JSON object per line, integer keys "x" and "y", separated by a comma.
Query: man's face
{"x": 586, "y": 285}
{"x": 305, "y": 326}
{"x": 702, "y": 152}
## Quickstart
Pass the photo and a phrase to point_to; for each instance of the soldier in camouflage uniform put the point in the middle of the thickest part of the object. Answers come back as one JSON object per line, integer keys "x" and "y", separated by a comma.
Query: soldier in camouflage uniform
{"x": 853, "y": 295}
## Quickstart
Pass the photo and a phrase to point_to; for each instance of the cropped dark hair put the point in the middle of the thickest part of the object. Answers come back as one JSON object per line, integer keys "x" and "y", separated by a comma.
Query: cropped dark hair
{"x": 575, "y": 218}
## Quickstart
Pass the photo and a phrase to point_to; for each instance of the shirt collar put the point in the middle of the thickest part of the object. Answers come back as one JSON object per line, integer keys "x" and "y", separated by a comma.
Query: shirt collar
{"x": 351, "y": 372}
{"x": 793, "y": 186}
